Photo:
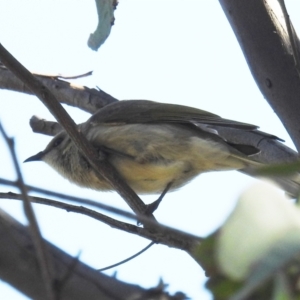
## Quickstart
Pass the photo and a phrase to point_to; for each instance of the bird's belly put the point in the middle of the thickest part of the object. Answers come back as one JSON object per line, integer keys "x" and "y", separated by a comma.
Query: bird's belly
{"x": 148, "y": 178}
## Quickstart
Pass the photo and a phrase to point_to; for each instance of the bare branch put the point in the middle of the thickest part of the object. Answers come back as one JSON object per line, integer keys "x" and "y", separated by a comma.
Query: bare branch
{"x": 87, "y": 99}
{"x": 43, "y": 126}
{"x": 158, "y": 233}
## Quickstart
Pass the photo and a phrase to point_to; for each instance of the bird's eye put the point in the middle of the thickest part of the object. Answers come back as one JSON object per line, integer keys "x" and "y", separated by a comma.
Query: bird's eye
{"x": 57, "y": 142}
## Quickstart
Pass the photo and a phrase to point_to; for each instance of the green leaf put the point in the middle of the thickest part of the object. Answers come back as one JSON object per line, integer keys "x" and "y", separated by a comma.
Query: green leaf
{"x": 282, "y": 169}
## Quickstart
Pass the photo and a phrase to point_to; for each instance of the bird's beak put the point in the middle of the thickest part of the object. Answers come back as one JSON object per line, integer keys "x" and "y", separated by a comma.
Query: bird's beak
{"x": 36, "y": 157}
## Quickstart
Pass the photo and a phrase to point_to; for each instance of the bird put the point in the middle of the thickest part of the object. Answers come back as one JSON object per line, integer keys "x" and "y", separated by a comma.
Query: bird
{"x": 155, "y": 147}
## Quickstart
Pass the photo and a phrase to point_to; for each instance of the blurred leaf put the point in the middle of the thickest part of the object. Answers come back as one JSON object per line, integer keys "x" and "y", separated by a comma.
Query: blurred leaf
{"x": 219, "y": 285}
{"x": 281, "y": 288}
{"x": 278, "y": 257}
{"x": 204, "y": 255}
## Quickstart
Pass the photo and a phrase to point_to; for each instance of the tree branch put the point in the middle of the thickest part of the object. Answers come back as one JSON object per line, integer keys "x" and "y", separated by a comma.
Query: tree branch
{"x": 266, "y": 45}
{"x": 89, "y": 100}
{"x": 43, "y": 126}
{"x": 74, "y": 281}
{"x": 158, "y": 233}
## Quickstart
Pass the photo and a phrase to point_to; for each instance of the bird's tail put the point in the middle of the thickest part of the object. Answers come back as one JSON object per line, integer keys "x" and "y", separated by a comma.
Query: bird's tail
{"x": 270, "y": 150}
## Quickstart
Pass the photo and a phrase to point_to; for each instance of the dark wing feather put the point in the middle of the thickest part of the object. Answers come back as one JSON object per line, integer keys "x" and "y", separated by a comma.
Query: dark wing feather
{"x": 145, "y": 111}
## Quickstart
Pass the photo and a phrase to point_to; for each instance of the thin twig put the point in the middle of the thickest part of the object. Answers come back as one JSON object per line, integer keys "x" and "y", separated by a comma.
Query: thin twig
{"x": 127, "y": 259}
{"x": 60, "y": 76}
{"x": 90, "y": 73}
{"x": 43, "y": 257}
{"x": 93, "y": 203}
{"x": 101, "y": 166}
{"x": 158, "y": 233}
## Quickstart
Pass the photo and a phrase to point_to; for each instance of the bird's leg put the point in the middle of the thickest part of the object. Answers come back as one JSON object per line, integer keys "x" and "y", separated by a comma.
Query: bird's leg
{"x": 154, "y": 205}
{"x": 151, "y": 208}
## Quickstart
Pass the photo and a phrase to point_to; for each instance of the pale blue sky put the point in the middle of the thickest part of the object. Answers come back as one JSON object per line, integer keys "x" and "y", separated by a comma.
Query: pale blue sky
{"x": 170, "y": 51}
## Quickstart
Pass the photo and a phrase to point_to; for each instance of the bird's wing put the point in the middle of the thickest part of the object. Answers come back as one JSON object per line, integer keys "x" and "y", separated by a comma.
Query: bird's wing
{"x": 145, "y": 111}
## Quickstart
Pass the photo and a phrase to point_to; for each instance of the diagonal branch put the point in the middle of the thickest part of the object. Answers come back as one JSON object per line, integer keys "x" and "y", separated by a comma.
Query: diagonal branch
{"x": 43, "y": 257}
{"x": 98, "y": 162}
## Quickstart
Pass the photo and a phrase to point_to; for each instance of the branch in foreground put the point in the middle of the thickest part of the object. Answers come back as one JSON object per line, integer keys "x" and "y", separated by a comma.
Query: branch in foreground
{"x": 96, "y": 159}
{"x": 19, "y": 267}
